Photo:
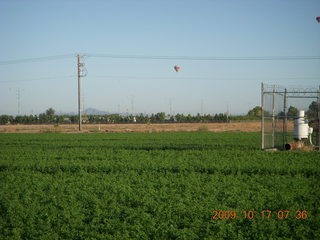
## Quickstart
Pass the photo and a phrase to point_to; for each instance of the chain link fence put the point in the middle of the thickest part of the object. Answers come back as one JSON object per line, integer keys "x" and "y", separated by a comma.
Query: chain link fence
{"x": 279, "y": 107}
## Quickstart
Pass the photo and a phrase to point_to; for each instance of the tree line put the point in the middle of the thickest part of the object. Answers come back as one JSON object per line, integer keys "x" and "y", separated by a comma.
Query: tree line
{"x": 49, "y": 117}
{"x": 117, "y": 118}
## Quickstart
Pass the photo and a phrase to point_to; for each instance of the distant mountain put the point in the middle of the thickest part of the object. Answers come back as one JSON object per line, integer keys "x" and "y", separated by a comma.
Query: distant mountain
{"x": 93, "y": 111}
{"x": 88, "y": 111}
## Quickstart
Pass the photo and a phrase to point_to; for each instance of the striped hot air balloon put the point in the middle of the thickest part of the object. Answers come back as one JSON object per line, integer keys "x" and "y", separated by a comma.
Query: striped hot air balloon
{"x": 177, "y": 68}
{"x": 318, "y": 19}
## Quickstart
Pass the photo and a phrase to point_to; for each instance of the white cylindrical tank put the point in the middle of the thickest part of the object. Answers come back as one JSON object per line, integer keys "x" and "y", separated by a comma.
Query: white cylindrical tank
{"x": 301, "y": 128}
{"x": 301, "y": 131}
{"x": 301, "y": 114}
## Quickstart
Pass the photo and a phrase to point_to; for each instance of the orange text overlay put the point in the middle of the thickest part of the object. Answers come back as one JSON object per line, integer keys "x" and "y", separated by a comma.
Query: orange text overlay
{"x": 265, "y": 214}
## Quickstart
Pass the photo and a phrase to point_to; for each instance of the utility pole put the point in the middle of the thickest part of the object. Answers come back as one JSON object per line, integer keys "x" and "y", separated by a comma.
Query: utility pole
{"x": 132, "y": 104}
{"x": 79, "y": 92}
{"x": 81, "y": 73}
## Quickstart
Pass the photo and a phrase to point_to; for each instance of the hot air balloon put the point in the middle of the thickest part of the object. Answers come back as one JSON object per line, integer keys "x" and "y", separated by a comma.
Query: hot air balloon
{"x": 318, "y": 19}
{"x": 176, "y": 68}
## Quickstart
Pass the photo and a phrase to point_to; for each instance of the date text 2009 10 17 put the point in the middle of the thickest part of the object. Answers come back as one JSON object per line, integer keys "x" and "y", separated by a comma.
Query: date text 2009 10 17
{"x": 265, "y": 214}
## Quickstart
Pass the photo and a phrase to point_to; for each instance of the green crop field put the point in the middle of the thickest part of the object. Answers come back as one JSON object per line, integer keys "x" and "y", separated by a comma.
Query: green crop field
{"x": 198, "y": 185}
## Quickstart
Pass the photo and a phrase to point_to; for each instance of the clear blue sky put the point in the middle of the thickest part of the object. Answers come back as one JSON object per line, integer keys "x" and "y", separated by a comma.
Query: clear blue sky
{"x": 197, "y": 28}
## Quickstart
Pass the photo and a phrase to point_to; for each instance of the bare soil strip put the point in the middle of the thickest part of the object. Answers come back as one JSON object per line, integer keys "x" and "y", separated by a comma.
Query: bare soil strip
{"x": 160, "y": 127}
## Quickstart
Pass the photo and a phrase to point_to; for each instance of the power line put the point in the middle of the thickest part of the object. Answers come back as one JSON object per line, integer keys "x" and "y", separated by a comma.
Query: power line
{"x": 199, "y": 58}
{"x": 161, "y": 78}
{"x": 37, "y": 59}
{"x": 200, "y": 78}
{"x": 157, "y": 57}
{"x": 38, "y": 79}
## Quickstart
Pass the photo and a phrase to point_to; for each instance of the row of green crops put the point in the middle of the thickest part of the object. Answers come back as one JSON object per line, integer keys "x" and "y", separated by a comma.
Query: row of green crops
{"x": 154, "y": 186}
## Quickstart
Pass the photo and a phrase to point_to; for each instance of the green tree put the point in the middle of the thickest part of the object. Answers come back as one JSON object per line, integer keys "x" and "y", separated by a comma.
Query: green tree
{"x": 180, "y": 118}
{"x": 312, "y": 113}
{"x": 50, "y": 112}
{"x": 189, "y": 118}
{"x": 6, "y": 119}
{"x": 160, "y": 117}
{"x": 43, "y": 118}
{"x": 255, "y": 112}
{"x": 48, "y": 116}
{"x": 292, "y": 112}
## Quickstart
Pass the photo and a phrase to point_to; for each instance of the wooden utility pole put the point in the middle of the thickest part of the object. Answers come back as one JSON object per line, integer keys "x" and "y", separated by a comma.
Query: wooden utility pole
{"x": 79, "y": 91}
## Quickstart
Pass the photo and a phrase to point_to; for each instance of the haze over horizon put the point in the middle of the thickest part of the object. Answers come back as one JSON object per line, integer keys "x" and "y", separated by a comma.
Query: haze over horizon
{"x": 225, "y": 50}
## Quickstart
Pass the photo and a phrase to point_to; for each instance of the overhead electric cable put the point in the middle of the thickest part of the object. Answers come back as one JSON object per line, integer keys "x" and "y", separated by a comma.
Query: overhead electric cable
{"x": 199, "y": 58}
{"x": 38, "y": 79}
{"x": 157, "y": 57}
{"x": 200, "y": 78}
{"x": 37, "y": 59}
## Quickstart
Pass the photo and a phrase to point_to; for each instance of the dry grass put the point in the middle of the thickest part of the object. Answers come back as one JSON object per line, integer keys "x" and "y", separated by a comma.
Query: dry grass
{"x": 203, "y": 128}
{"x": 165, "y": 127}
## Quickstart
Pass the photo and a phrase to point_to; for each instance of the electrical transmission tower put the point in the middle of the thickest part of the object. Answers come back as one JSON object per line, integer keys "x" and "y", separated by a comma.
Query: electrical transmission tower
{"x": 19, "y": 103}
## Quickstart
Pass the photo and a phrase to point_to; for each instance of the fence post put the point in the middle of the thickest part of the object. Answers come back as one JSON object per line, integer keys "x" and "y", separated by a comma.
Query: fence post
{"x": 262, "y": 116}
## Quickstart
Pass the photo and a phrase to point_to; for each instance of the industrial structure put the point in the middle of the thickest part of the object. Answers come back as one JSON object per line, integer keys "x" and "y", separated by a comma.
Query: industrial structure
{"x": 287, "y": 130}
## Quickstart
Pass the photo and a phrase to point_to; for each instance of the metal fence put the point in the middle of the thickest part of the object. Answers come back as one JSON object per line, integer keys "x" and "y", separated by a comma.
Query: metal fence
{"x": 277, "y": 119}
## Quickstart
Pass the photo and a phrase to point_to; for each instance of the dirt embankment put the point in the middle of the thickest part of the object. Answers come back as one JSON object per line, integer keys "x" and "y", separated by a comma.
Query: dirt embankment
{"x": 164, "y": 127}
